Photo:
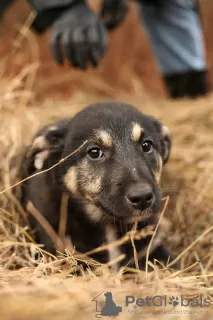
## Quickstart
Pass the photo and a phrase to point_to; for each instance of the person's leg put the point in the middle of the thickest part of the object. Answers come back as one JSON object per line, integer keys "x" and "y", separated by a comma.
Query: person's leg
{"x": 175, "y": 33}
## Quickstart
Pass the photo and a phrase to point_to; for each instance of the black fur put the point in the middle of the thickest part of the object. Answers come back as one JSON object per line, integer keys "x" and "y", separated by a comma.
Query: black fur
{"x": 124, "y": 166}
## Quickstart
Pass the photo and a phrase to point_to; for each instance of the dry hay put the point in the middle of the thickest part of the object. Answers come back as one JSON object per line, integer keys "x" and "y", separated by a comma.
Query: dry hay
{"x": 49, "y": 288}
{"x": 187, "y": 180}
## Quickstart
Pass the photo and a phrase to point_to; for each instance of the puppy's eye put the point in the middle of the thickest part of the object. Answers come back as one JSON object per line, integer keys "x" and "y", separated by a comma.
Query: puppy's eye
{"x": 95, "y": 153}
{"x": 147, "y": 146}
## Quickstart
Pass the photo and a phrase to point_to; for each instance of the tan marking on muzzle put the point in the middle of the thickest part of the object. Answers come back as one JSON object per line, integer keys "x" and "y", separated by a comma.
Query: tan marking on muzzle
{"x": 94, "y": 186}
{"x": 70, "y": 180}
{"x": 105, "y": 137}
{"x": 92, "y": 211}
{"x": 136, "y": 132}
{"x": 88, "y": 179}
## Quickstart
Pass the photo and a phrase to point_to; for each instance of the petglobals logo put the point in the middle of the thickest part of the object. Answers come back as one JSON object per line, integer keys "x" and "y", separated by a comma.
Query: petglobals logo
{"x": 163, "y": 301}
{"x": 106, "y": 305}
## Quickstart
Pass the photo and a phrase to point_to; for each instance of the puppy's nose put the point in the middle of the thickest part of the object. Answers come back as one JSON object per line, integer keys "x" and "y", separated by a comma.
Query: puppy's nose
{"x": 140, "y": 197}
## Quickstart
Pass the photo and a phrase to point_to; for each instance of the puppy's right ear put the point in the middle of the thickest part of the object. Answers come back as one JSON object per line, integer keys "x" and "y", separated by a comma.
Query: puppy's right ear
{"x": 166, "y": 143}
{"x": 46, "y": 142}
{"x": 165, "y": 139}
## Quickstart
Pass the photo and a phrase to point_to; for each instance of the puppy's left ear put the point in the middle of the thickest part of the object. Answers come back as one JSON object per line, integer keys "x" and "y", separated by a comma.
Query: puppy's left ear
{"x": 165, "y": 140}
{"x": 166, "y": 143}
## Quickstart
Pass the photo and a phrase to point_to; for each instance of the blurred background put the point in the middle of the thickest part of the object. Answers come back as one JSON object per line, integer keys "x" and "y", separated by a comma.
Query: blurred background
{"x": 127, "y": 67}
{"x": 35, "y": 91}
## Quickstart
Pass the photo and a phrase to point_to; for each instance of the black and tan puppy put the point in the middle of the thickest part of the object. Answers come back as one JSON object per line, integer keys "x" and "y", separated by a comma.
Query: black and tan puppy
{"x": 112, "y": 181}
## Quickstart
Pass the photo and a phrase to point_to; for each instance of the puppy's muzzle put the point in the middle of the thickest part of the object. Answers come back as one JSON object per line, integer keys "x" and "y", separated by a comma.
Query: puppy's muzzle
{"x": 140, "y": 197}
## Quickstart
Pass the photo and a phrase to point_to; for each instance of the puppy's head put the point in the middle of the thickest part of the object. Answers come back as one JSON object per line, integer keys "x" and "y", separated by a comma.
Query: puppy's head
{"x": 116, "y": 173}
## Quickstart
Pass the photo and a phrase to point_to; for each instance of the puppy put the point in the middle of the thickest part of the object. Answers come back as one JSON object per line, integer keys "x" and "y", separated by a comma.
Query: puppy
{"x": 112, "y": 181}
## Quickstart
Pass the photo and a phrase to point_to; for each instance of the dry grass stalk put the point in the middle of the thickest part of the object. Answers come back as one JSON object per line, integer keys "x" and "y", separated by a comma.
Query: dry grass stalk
{"x": 132, "y": 235}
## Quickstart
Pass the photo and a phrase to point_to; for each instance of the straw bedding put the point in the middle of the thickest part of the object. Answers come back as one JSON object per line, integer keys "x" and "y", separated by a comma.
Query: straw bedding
{"x": 58, "y": 288}
{"x": 49, "y": 288}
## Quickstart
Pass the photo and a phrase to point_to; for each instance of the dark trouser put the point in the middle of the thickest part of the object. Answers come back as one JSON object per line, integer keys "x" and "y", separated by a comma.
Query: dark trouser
{"x": 175, "y": 32}
{"x": 190, "y": 84}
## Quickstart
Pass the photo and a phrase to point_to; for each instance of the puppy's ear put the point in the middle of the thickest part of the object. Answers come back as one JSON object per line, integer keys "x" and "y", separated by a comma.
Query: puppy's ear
{"x": 165, "y": 140}
{"x": 48, "y": 141}
{"x": 166, "y": 143}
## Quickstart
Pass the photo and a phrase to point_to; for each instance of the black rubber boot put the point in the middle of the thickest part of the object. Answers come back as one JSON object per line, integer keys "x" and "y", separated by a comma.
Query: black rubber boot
{"x": 189, "y": 84}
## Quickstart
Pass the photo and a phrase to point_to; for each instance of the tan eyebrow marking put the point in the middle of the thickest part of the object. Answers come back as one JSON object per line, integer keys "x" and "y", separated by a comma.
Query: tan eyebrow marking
{"x": 105, "y": 137}
{"x": 90, "y": 181}
{"x": 136, "y": 131}
{"x": 52, "y": 128}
